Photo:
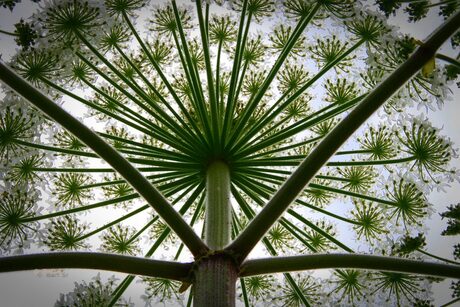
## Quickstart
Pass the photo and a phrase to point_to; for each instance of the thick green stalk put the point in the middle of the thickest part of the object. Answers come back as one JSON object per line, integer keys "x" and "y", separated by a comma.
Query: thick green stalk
{"x": 110, "y": 155}
{"x": 331, "y": 143}
{"x": 218, "y": 206}
{"x": 215, "y": 281}
{"x": 97, "y": 261}
{"x": 330, "y": 261}
{"x": 215, "y": 275}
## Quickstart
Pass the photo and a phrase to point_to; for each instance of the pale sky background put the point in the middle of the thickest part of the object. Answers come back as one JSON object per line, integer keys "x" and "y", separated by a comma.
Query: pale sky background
{"x": 34, "y": 288}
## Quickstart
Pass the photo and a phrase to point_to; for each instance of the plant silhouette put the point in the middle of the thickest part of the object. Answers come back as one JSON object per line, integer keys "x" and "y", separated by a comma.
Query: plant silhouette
{"x": 213, "y": 129}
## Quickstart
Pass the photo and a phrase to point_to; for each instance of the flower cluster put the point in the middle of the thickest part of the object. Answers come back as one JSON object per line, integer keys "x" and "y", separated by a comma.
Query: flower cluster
{"x": 94, "y": 293}
{"x": 15, "y": 208}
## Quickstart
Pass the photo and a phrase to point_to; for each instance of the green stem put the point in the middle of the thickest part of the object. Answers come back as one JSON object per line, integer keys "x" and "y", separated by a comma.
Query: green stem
{"x": 280, "y": 149}
{"x": 217, "y": 77}
{"x": 98, "y": 108}
{"x": 192, "y": 137}
{"x": 56, "y": 149}
{"x": 240, "y": 44}
{"x": 332, "y": 261}
{"x": 245, "y": 294}
{"x": 108, "y": 225}
{"x": 141, "y": 231}
{"x": 101, "y": 184}
{"x": 97, "y": 261}
{"x": 331, "y": 143}
{"x": 118, "y": 292}
{"x": 160, "y": 115}
{"x": 448, "y": 59}
{"x": 440, "y": 3}
{"x": 319, "y": 230}
{"x": 252, "y": 104}
{"x": 80, "y": 209}
{"x": 192, "y": 74}
{"x": 451, "y": 302}
{"x": 437, "y": 257}
{"x": 212, "y": 94}
{"x": 351, "y": 194}
{"x": 239, "y": 83}
{"x": 133, "y": 115}
{"x": 195, "y": 216}
{"x": 353, "y": 152}
{"x": 8, "y": 33}
{"x": 270, "y": 115}
{"x": 178, "y": 155}
{"x": 249, "y": 212}
{"x": 371, "y": 162}
{"x": 163, "y": 77}
{"x": 250, "y": 188}
{"x": 218, "y": 206}
{"x": 129, "y": 82}
{"x": 297, "y": 127}
{"x": 278, "y": 180}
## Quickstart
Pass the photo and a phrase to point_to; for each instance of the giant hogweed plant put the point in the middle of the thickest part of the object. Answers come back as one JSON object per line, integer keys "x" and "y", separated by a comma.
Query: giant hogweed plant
{"x": 209, "y": 130}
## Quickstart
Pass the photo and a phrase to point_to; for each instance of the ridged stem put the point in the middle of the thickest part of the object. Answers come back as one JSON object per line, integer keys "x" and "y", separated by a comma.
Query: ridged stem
{"x": 97, "y": 261}
{"x": 330, "y": 261}
{"x": 215, "y": 275}
{"x": 215, "y": 282}
{"x": 218, "y": 207}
